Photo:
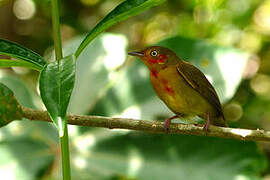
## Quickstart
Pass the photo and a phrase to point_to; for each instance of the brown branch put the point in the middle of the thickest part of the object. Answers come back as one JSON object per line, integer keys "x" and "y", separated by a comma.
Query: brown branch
{"x": 152, "y": 126}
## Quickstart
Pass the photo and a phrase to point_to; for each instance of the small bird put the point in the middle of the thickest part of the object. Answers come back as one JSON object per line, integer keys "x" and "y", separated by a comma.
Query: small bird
{"x": 181, "y": 86}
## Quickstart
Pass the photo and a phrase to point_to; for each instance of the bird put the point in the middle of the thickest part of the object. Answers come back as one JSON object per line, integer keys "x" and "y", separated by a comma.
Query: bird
{"x": 182, "y": 87}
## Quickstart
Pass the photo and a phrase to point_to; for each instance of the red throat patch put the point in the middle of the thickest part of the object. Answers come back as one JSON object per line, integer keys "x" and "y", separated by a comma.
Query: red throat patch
{"x": 167, "y": 88}
{"x": 161, "y": 59}
{"x": 154, "y": 73}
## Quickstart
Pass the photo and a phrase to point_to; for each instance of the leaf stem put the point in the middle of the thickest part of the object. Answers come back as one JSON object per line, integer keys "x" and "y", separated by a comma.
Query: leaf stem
{"x": 59, "y": 56}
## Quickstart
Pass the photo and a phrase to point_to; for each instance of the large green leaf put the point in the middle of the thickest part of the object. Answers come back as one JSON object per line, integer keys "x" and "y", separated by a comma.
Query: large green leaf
{"x": 9, "y": 107}
{"x": 56, "y": 85}
{"x": 19, "y": 63}
{"x": 123, "y": 11}
{"x": 95, "y": 69}
{"x": 170, "y": 157}
{"x": 17, "y": 51}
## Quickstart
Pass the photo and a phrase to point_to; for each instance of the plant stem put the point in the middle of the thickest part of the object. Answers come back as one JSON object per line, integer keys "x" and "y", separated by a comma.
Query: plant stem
{"x": 59, "y": 56}
{"x": 56, "y": 30}
{"x": 65, "y": 153}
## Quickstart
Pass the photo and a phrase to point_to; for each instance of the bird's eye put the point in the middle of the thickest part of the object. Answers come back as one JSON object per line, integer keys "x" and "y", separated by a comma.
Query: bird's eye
{"x": 154, "y": 53}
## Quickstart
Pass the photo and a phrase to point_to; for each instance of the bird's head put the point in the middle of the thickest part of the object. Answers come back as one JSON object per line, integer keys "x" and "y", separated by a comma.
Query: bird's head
{"x": 156, "y": 57}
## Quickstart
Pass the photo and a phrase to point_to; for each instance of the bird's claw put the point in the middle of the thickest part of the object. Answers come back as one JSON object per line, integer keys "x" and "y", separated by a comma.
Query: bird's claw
{"x": 207, "y": 123}
{"x": 166, "y": 127}
{"x": 168, "y": 122}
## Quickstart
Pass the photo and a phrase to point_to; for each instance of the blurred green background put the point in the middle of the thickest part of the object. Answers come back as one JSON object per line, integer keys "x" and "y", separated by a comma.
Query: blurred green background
{"x": 229, "y": 40}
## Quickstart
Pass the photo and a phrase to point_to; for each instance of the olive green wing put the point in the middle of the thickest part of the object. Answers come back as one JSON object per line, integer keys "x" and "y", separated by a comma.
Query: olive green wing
{"x": 197, "y": 80}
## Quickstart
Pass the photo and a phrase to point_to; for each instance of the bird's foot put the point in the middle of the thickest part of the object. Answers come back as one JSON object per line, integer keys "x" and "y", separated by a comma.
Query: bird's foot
{"x": 207, "y": 123}
{"x": 168, "y": 122}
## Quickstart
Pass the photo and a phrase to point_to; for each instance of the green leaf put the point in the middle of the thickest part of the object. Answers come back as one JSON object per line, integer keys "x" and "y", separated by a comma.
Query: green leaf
{"x": 56, "y": 85}
{"x": 123, "y": 11}
{"x": 170, "y": 157}
{"x": 9, "y": 107}
{"x": 92, "y": 77}
{"x": 18, "y": 63}
{"x": 17, "y": 51}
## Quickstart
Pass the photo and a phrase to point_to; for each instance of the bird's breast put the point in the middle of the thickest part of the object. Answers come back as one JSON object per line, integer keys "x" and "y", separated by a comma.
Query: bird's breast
{"x": 161, "y": 84}
{"x": 172, "y": 89}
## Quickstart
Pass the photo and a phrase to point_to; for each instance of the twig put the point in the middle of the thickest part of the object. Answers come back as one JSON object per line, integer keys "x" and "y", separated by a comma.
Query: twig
{"x": 152, "y": 126}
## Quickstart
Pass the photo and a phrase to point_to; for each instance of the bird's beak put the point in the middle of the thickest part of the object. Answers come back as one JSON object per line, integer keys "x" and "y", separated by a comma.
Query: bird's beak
{"x": 139, "y": 54}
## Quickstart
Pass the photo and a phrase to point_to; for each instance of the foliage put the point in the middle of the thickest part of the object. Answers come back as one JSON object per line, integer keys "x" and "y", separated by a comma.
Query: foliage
{"x": 123, "y": 11}
{"x": 174, "y": 157}
{"x": 56, "y": 85}
{"x": 9, "y": 107}
{"x": 106, "y": 85}
{"x": 17, "y": 51}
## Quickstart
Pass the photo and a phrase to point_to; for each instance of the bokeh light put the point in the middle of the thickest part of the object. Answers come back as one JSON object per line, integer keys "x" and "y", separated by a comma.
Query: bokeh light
{"x": 252, "y": 66}
{"x": 262, "y": 17}
{"x": 261, "y": 85}
{"x": 131, "y": 112}
{"x": 80, "y": 162}
{"x": 24, "y": 9}
{"x": 84, "y": 142}
{"x": 233, "y": 111}
{"x": 114, "y": 47}
{"x": 135, "y": 162}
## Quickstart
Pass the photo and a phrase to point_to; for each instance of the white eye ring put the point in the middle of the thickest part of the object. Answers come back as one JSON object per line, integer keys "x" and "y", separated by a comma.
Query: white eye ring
{"x": 154, "y": 53}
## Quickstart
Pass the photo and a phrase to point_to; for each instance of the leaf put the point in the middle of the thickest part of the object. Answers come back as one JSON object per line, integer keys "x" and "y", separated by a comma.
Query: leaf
{"x": 17, "y": 51}
{"x": 56, "y": 85}
{"x": 93, "y": 68}
{"x": 9, "y": 107}
{"x": 123, "y": 11}
{"x": 18, "y": 63}
{"x": 171, "y": 157}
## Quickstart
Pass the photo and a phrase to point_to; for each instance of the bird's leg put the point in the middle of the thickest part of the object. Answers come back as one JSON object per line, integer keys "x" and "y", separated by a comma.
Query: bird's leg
{"x": 207, "y": 123}
{"x": 168, "y": 122}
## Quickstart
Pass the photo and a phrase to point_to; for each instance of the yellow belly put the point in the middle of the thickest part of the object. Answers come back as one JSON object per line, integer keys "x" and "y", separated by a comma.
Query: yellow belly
{"x": 181, "y": 98}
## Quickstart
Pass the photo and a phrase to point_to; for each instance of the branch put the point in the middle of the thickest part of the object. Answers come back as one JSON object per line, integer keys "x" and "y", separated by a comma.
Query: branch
{"x": 152, "y": 126}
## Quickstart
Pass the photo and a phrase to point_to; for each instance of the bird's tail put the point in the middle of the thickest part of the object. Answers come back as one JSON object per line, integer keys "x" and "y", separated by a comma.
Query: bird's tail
{"x": 219, "y": 121}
